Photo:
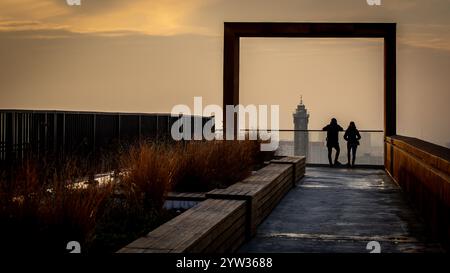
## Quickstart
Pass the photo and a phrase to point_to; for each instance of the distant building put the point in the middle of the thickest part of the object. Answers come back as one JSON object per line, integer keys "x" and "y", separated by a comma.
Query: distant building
{"x": 317, "y": 152}
{"x": 301, "y": 139}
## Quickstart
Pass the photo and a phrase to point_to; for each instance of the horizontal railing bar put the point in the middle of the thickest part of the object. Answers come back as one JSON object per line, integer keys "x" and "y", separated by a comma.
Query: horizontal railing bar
{"x": 289, "y": 130}
{"x": 359, "y": 166}
{"x": 27, "y": 111}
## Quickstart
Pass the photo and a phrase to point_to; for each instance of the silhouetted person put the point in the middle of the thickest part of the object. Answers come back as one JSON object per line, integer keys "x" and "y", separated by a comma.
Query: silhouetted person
{"x": 352, "y": 136}
{"x": 333, "y": 130}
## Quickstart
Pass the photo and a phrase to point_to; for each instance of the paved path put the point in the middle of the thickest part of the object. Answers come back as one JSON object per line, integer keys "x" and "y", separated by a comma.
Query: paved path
{"x": 341, "y": 210}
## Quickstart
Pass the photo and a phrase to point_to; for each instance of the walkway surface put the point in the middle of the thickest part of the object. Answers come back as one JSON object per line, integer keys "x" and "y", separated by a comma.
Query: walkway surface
{"x": 341, "y": 210}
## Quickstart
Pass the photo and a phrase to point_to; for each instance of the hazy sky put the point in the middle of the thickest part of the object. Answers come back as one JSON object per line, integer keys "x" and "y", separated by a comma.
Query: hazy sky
{"x": 146, "y": 56}
{"x": 335, "y": 77}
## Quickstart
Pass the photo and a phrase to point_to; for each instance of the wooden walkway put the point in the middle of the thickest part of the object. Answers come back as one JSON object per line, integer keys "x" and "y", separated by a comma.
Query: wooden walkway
{"x": 341, "y": 210}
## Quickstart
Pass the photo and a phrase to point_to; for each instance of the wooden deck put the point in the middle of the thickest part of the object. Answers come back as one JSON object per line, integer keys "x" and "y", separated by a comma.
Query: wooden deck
{"x": 340, "y": 211}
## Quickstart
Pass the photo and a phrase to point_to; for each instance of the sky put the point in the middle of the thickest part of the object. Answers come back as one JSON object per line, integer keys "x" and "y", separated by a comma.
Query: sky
{"x": 340, "y": 78}
{"x": 147, "y": 55}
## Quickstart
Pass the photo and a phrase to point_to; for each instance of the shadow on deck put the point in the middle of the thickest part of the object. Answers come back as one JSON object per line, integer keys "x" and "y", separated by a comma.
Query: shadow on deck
{"x": 341, "y": 210}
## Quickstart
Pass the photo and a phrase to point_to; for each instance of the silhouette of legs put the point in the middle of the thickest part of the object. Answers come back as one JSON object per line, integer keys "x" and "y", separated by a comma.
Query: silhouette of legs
{"x": 351, "y": 154}
{"x": 336, "y": 157}
{"x": 354, "y": 148}
{"x": 349, "y": 148}
{"x": 330, "y": 151}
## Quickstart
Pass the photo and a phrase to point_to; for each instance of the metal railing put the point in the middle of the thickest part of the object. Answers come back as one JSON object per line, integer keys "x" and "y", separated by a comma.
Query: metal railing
{"x": 312, "y": 144}
{"x": 82, "y": 133}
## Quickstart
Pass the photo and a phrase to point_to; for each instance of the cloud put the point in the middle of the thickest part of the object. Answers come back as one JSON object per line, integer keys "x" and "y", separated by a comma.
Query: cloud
{"x": 421, "y": 23}
{"x": 31, "y": 9}
{"x": 158, "y": 17}
{"x": 18, "y": 25}
{"x": 425, "y": 36}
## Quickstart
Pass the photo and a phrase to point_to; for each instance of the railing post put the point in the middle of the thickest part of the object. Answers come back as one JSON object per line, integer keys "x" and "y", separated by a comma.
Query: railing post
{"x": 64, "y": 134}
{"x": 9, "y": 137}
{"x": 55, "y": 133}
{"x": 157, "y": 128}
{"x": 94, "y": 141}
{"x": 140, "y": 128}
{"x": 119, "y": 118}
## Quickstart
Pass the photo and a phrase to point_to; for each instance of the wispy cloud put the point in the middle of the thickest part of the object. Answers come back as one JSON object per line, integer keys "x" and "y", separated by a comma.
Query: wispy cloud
{"x": 159, "y": 17}
{"x": 426, "y": 36}
{"x": 421, "y": 23}
{"x": 24, "y": 25}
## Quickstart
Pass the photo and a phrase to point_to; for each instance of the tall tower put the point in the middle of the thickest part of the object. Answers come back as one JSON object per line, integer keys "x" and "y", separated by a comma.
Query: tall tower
{"x": 301, "y": 139}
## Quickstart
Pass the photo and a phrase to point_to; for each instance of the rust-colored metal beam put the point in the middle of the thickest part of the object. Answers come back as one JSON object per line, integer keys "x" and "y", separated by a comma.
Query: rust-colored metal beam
{"x": 233, "y": 31}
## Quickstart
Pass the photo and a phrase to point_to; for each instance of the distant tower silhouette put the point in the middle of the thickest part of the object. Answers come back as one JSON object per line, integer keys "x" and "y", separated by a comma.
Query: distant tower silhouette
{"x": 301, "y": 139}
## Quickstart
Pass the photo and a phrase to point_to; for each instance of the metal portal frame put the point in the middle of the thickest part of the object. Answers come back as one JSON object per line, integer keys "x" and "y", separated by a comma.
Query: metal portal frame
{"x": 233, "y": 31}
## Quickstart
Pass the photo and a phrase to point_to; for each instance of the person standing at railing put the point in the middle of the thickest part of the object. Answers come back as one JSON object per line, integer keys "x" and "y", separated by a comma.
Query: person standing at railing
{"x": 352, "y": 137}
{"x": 333, "y": 130}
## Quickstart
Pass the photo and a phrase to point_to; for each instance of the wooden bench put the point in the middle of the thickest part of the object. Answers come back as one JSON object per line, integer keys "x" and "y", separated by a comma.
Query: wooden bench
{"x": 228, "y": 217}
{"x": 262, "y": 191}
{"x": 299, "y": 165}
{"x": 213, "y": 226}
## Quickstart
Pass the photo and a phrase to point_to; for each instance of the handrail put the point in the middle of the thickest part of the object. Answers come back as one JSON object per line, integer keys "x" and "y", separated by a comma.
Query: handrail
{"x": 292, "y": 130}
{"x": 76, "y": 112}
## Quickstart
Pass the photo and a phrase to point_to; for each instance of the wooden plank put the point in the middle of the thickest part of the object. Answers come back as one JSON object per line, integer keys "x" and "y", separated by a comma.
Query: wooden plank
{"x": 290, "y": 159}
{"x": 237, "y": 228}
{"x": 268, "y": 206}
{"x": 233, "y": 242}
{"x": 220, "y": 222}
{"x": 267, "y": 174}
{"x": 188, "y": 227}
{"x": 263, "y": 198}
{"x": 280, "y": 185}
{"x": 259, "y": 186}
{"x": 221, "y": 210}
{"x": 298, "y": 164}
{"x": 187, "y": 233}
{"x": 202, "y": 232}
{"x": 132, "y": 250}
{"x": 218, "y": 231}
{"x": 236, "y": 244}
{"x": 184, "y": 196}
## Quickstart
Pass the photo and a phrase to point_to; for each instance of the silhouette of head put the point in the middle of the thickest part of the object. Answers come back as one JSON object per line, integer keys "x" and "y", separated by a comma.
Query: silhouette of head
{"x": 333, "y": 121}
{"x": 352, "y": 125}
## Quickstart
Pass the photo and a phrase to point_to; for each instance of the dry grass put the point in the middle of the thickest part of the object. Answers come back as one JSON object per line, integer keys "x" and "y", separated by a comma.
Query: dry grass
{"x": 47, "y": 212}
{"x": 40, "y": 207}
{"x": 150, "y": 170}
{"x": 189, "y": 166}
{"x": 207, "y": 165}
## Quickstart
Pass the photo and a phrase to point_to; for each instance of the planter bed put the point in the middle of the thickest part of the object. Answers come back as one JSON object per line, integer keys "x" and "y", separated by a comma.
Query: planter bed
{"x": 227, "y": 217}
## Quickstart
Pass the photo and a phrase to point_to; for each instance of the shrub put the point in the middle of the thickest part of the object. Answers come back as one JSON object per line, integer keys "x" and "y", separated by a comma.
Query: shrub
{"x": 47, "y": 213}
{"x": 43, "y": 206}
{"x": 150, "y": 169}
{"x": 135, "y": 208}
{"x": 208, "y": 165}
